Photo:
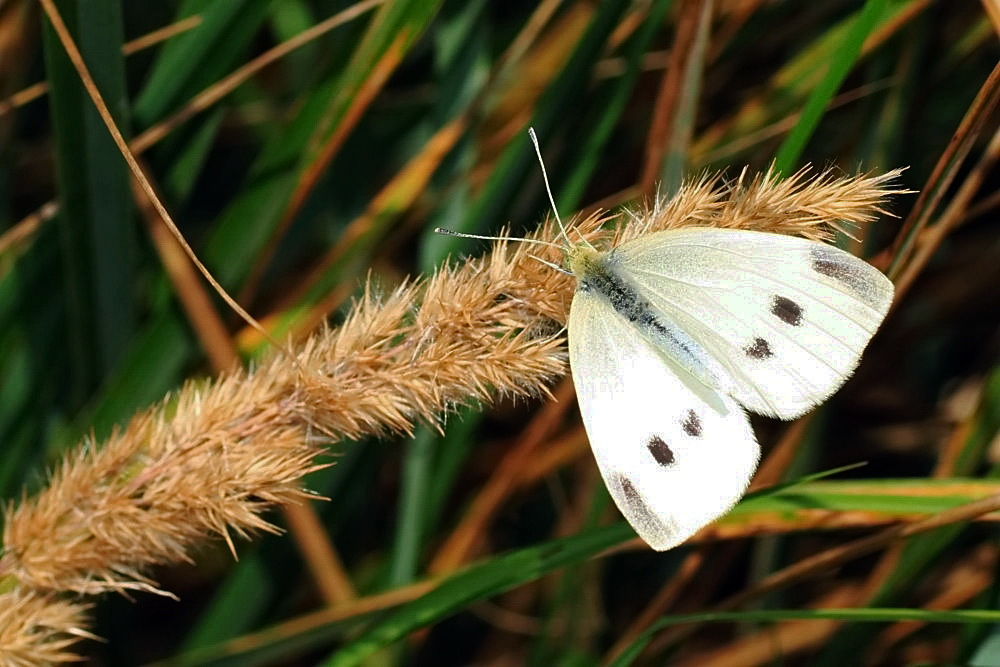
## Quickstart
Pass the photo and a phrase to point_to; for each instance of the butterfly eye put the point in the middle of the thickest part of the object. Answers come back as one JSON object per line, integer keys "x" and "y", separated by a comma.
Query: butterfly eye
{"x": 786, "y": 310}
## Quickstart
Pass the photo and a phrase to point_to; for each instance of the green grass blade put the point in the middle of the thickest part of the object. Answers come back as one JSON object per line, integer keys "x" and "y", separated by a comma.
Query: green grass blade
{"x": 477, "y": 583}
{"x": 97, "y": 231}
{"x": 199, "y": 57}
{"x": 844, "y": 58}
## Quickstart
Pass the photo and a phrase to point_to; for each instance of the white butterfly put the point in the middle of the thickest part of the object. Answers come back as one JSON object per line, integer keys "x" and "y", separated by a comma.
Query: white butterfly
{"x": 673, "y": 334}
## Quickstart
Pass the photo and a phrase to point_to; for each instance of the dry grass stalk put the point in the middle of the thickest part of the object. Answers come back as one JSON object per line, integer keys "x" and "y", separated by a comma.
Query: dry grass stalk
{"x": 209, "y": 460}
{"x": 39, "y": 629}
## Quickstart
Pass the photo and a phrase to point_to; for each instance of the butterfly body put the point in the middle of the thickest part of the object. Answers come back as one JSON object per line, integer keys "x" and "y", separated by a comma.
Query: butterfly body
{"x": 672, "y": 335}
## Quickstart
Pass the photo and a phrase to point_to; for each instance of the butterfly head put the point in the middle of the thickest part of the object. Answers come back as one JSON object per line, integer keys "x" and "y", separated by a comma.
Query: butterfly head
{"x": 581, "y": 259}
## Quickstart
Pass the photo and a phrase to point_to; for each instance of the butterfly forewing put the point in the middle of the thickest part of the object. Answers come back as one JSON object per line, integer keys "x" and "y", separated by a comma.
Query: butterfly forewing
{"x": 674, "y": 453}
{"x": 786, "y": 317}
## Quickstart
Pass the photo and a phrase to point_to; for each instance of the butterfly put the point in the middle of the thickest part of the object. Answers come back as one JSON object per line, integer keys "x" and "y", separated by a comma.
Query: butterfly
{"x": 675, "y": 334}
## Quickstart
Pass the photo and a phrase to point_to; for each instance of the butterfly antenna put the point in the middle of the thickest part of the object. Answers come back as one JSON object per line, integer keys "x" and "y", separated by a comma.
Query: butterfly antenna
{"x": 463, "y": 235}
{"x": 548, "y": 190}
{"x": 551, "y": 265}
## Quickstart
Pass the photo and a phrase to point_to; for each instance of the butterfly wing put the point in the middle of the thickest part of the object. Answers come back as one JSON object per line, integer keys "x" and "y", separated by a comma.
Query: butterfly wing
{"x": 786, "y": 317}
{"x": 673, "y": 453}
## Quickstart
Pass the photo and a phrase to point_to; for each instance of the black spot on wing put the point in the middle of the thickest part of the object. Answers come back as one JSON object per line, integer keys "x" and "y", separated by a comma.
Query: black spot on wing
{"x": 638, "y": 509}
{"x": 850, "y": 272}
{"x": 828, "y": 262}
{"x": 660, "y": 450}
{"x": 692, "y": 424}
{"x": 786, "y": 310}
{"x": 759, "y": 349}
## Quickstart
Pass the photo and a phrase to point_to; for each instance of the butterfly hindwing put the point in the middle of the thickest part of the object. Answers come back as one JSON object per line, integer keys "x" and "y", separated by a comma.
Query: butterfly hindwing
{"x": 674, "y": 453}
{"x": 787, "y": 318}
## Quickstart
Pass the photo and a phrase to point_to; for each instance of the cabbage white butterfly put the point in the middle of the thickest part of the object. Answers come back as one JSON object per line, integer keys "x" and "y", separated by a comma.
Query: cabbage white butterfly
{"x": 674, "y": 334}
